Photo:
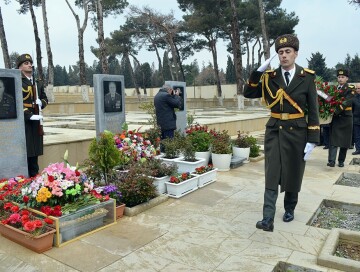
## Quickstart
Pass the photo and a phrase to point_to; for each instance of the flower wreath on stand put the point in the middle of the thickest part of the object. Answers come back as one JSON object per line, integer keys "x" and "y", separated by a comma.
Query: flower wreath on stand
{"x": 328, "y": 98}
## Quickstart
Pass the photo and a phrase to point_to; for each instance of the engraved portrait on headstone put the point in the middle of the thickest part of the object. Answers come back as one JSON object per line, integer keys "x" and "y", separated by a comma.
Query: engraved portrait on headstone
{"x": 7, "y": 98}
{"x": 112, "y": 96}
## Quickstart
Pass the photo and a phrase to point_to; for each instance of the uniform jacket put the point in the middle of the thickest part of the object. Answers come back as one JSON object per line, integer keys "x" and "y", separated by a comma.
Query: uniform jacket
{"x": 34, "y": 141}
{"x": 356, "y": 109}
{"x": 164, "y": 108}
{"x": 112, "y": 105}
{"x": 342, "y": 123}
{"x": 7, "y": 107}
{"x": 285, "y": 140}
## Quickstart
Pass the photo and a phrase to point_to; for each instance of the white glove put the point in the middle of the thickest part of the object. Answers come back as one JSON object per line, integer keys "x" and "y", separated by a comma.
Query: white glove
{"x": 36, "y": 117}
{"x": 264, "y": 66}
{"x": 308, "y": 149}
{"x": 38, "y": 101}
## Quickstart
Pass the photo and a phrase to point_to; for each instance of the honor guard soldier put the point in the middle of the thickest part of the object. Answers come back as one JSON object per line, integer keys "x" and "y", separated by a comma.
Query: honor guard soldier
{"x": 341, "y": 125}
{"x": 288, "y": 91}
{"x": 34, "y": 100}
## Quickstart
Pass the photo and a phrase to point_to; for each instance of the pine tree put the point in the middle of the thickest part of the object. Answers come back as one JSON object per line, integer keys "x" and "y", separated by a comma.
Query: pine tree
{"x": 317, "y": 63}
{"x": 230, "y": 71}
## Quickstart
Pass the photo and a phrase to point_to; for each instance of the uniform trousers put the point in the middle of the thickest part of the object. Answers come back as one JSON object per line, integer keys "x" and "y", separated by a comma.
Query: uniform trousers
{"x": 270, "y": 197}
{"x": 33, "y": 166}
{"x": 333, "y": 152}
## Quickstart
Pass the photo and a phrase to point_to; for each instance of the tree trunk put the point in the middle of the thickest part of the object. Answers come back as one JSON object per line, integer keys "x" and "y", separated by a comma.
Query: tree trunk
{"x": 263, "y": 30}
{"x": 180, "y": 64}
{"x": 161, "y": 70}
{"x": 259, "y": 51}
{"x": 253, "y": 54}
{"x": 4, "y": 45}
{"x": 37, "y": 42}
{"x": 126, "y": 55}
{"x": 48, "y": 47}
{"x": 101, "y": 39}
{"x": 235, "y": 41}
{"x": 81, "y": 31}
{"x": 212, "y": 44}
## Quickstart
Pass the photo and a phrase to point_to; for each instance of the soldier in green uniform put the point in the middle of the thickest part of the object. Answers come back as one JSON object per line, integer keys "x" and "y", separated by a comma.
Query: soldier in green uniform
{"x": 342, "y": 123}
{"x": 7, "y": 103}
{"x": 289, "y": 92}
{"x": 31, "y": 102}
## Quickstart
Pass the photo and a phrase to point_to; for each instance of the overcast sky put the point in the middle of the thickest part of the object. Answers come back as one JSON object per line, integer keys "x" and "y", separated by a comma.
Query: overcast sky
{"x": 328, "y": 27}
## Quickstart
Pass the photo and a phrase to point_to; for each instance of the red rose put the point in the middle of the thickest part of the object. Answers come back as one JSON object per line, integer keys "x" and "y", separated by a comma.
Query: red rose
{"x": 29, "y": 226}
{"x": 14, "y": 209}
{"x": 51, "y": 178}
{"x": 26, "y": 199}
{"x": 48, "y": 221}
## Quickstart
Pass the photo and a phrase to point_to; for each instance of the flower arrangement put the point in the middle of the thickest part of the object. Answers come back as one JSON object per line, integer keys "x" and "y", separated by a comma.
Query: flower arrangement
{"x": 180, "y": 178}
{"x": 10, "y": 188}
{"x": 23, "y": 219}
{"x": 134, "y": 144}
{"x": 328, "y": 106}
{"x": 110, "y": 190}
{"x": 200, "y": 137}
{"x": 203, "y": 169}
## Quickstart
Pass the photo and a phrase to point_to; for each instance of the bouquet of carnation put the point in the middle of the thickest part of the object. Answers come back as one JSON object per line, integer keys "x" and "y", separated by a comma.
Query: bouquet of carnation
{"x": 23, "y": 219}
{"x": 59, "y": 184}
{"x": 135, "y": 146}
{"x": 180, "y": 178}
{"x": 203, "y": 169}
{"x": 329, "y": 98}
{"x": 11, "y": 188}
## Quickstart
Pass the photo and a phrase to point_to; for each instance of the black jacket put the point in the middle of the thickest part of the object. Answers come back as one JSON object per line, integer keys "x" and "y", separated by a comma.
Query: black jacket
{"x": 356, "y": 109}
{"x": 164, "y": 108}
{"x": 34, "y": 141}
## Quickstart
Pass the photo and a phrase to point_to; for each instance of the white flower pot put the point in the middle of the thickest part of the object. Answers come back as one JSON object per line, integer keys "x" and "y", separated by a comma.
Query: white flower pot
{"x": 169, "y": 162}
{"x": 160, "y": 184}
{"x": 203, "y": 155}
{"x": 186, "y": 166}
{"x": 206, "y": 178}
{"x": 183, "y": 188}
{"x": 221, "y": 161}
{"x": 241, "y": 152}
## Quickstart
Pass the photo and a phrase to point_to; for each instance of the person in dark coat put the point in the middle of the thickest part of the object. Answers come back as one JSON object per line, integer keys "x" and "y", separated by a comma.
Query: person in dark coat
{"x": 31, "y": 103}
{"x": 112, "y": 99}
{"x": 342, "y": 122}
{"x": 165, "y": 101}
{"x": 289, "y": 91}
{"x": 356, "y": 119}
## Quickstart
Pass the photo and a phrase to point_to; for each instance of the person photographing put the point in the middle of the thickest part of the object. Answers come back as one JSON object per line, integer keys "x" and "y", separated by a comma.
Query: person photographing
{"x": 34, "y": 100}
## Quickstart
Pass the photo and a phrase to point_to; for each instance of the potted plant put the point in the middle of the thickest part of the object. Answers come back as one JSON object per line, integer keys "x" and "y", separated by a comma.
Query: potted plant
{"x": 172, "y": 148}
{"x": 22, "y": 227}
{"x": 181, "y": 185}
{"x": 200, "y": 139}
{"x": 221, "y": 151}
{"x": 161, "y": 172}
{"x": 188, "y": 162}
{"x": 206, "y": 175}
{"x": 241, "y": 146}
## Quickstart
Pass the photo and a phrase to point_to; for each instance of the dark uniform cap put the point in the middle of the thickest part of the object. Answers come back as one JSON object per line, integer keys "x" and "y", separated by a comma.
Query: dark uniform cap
{"x": 22, "y": 58}
{"x": 287, "y": 40}
{"x": 342, "y": 72}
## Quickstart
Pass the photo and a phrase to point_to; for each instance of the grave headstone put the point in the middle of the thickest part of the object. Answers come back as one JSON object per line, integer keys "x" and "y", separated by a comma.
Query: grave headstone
{"x": 109, "y": 96}
{"x": 181, "y": 118}
{"x": 13, "y": 158}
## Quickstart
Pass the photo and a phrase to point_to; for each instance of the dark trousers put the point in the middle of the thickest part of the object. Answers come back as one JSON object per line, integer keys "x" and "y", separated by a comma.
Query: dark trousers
{"x": 33, "y": 166}
{"x": 333, "y": 152}
{"x": 325, "y": 134}
{"x": 357, "y": 137}
{"x": 270, "y": 197}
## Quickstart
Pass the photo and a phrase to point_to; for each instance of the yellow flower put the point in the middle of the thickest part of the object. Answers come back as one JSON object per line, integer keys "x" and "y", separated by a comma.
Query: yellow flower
{"x": 43, "y": 195}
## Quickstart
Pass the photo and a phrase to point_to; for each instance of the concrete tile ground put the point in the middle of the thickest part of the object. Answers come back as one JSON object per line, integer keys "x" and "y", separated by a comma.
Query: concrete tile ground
{"x": 211, "y": 229}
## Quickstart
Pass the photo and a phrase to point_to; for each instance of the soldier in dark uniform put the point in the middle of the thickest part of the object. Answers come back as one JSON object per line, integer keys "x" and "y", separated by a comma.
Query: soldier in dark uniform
{"x": 289, "y": 91}
{"x": 32, "y": 102}
{"x": 112, "y": 100}
{"x": 342, "y": 123}
{"x": 7, "y": 103}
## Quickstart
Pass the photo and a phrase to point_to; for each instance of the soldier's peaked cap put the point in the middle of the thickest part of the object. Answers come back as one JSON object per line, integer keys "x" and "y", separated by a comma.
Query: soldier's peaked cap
{"x": 287, "y": 40}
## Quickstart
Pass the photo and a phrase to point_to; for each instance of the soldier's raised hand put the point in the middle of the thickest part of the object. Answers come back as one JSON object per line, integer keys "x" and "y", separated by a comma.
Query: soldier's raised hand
{"x": 264, "y": 66}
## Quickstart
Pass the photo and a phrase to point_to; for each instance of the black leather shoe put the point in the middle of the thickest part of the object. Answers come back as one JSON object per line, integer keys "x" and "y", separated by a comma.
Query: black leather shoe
{"x": 331, "y": 164}
{"x": 325, "y": 147}
{"x": 267, "y": 224}
{"x": 341, "y": 164}
{"x": 357, "y": 152}
{"x": 288, "y": 216}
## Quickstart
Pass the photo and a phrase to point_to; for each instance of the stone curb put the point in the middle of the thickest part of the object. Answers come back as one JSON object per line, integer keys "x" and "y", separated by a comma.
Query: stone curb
{"x": 326, "y": 256}
{"x": 145, "y": 206}
{"x": 258, "y": 158}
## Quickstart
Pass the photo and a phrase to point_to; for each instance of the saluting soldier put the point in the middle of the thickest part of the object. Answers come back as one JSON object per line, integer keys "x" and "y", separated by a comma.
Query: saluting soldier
{"x": 289, "y": 91}
{"x": 32, "y": 99}
{"x": 7, "y": 103}
{"x": 341, "y": 125}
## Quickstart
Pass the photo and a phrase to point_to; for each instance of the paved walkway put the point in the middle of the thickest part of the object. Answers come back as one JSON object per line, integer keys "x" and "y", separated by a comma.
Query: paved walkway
{"x": 211, "y": 229}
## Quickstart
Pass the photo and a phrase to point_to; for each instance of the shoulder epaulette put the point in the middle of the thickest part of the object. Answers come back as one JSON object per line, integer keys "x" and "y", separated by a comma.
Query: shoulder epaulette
{"x": 309, "y": 71}
{"x": 269, "y": 71}
{"x": 350, "y": 86}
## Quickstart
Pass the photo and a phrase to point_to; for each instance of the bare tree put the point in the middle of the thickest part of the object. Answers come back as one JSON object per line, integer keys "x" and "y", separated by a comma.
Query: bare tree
{"x": 101, "y": 39}
{"x": 48, "y": 47}
{"x": 81, "y": 29}
{"x": 265, "y": 40}
{"x": 4, "y": 45}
